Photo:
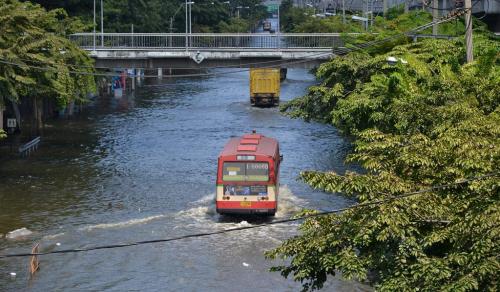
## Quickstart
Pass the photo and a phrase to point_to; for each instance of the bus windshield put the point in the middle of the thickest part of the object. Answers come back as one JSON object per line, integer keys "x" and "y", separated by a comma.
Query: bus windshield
{"x": 245, "y": 171}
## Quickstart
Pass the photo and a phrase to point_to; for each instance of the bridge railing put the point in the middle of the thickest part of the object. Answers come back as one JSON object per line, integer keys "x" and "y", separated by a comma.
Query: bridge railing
{"x": 206, "y": 41}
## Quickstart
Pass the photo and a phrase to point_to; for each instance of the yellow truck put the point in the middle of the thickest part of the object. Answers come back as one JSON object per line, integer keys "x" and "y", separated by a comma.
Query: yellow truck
{"x": 264, "y": 86}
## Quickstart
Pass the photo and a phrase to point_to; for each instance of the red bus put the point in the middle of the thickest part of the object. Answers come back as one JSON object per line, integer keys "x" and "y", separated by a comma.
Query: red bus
{"x": 248, "y": 176}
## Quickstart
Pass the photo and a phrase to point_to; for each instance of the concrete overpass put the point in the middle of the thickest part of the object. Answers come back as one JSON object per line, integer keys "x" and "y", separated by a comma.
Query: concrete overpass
{"x": 198, "y": 50}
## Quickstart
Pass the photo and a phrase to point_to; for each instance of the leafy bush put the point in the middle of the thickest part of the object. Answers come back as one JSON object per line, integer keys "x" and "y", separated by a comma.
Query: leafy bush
{"x": 426, "y": 121}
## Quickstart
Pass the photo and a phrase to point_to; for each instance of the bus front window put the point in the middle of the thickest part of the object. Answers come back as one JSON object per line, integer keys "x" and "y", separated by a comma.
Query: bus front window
{"x": 245, "y": 171}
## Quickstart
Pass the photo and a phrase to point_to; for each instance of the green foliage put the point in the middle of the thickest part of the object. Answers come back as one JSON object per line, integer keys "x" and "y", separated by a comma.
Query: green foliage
{"x": 33, "y": 37}
{"x": 301, "y": 20}
{"x": 359, "y": 91}
{"x": 155, "y": 15}
{"x": 428, "y": 120}
{"x": 395, "y": 11}
{"x": 327, "y": 25}
{"x": 396, "y": 24}
{"x": 2, "y": 134}
{"x": 234, "y": 25}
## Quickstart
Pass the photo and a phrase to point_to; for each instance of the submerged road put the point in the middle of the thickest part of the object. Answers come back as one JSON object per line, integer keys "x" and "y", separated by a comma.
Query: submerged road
{"x": 143, "y": 167}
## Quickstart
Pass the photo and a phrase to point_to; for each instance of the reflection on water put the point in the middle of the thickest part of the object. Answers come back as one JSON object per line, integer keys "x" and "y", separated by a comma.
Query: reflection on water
{"x": 143, "y": 167}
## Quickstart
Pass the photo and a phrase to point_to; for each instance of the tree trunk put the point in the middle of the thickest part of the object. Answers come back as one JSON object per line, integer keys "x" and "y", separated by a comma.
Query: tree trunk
{"x": 71, "y": 108}
{"x": 1, "y": 116}
{"x": 37, "y": 115}
{"x": 15, "y": 108}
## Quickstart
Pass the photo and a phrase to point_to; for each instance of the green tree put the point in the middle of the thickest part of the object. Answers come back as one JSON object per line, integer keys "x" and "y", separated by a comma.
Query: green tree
{"x": 234, "y": 25}
{"x": 155, "y": 15}
{"x": 428, "y": 120}
{"x": 36, "y": 58}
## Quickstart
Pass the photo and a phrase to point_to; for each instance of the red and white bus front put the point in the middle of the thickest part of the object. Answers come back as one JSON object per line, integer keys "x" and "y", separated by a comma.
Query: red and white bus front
{"x": 246, "y": 189}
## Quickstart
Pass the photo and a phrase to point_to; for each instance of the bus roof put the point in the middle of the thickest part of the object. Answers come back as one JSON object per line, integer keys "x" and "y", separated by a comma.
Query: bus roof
{"x": 251, "y": 144}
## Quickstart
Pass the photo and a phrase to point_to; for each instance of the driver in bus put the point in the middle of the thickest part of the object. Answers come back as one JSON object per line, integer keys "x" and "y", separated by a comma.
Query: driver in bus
{"x": 229, "y": 191}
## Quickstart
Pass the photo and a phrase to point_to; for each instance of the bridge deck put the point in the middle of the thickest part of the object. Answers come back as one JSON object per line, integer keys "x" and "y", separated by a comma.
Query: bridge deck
{"x": 149, "y": 50}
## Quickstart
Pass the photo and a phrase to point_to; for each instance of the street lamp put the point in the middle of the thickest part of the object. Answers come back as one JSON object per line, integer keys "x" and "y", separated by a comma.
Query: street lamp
{"x": 364, "y": 20}
{"x": 102, "y": 26}
{"x": 229, "y": 6}
{"x": 313, "y": 8}
{"x": 241, "y": 7}
{"x": 188, "y": 26}
{"x": 171, "y": 28}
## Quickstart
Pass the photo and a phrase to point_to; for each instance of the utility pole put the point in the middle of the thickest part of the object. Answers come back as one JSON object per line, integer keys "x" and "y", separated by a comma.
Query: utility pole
{"x": 279, "y": 27}
{"x": 102, "y": 26}
{"x": 365, "y": 14}
{"x": 171, "y": 30}
{"x": 385, "y": 8}
{"x": 94, "y": 24}
{"x": 407, "y": 6}
{"x": 187, "y": 45}
{"x": 132, "y": 35}
{"x": 190, "y": 25}
{"x": 468, "y": 31}
{"x": 343, "y": 11}
{"x": 435, "y": 16}
{"x": 372, "y": 9}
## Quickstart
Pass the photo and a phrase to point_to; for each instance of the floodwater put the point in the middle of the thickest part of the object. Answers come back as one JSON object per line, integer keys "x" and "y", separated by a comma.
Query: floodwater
{"x": 143, "y": 167}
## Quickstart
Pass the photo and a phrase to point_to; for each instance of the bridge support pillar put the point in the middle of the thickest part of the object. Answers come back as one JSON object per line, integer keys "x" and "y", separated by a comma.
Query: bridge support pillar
{"x": 283, "y": 72}
{"x": 160, "y": 73}
{"x": 138, "y": 74}
{"x": 133, "y": 80}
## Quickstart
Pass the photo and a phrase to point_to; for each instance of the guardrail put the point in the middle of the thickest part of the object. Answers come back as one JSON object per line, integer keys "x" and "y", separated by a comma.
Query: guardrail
{"x": 26, "y": 149}
{"x": 207, "y": 41}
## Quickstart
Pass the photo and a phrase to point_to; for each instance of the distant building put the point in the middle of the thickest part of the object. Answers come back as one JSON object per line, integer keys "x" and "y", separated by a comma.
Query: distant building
{"x": 489, "y": 10}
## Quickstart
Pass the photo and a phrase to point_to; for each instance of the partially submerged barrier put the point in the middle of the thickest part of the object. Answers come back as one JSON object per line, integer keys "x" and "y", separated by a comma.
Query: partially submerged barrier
{"x": 26, "y": 149}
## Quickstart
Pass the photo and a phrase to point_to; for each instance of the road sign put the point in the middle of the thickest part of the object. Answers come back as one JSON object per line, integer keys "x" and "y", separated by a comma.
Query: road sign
{"x": 11, "y": 123}
{"x": 272, "y": 7}
{"x": 198, "y": 57}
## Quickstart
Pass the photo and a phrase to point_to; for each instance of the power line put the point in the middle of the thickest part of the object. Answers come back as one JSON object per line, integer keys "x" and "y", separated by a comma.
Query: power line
{"x": 204, "y": 234}
{"x": 337, "y": 51}
{"x": 452, "y": 15}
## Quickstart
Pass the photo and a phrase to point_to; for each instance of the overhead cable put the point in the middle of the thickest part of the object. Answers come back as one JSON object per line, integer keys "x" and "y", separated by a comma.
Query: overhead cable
{"x": 335, "y": 51}
{"x": 293, "y": 219}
